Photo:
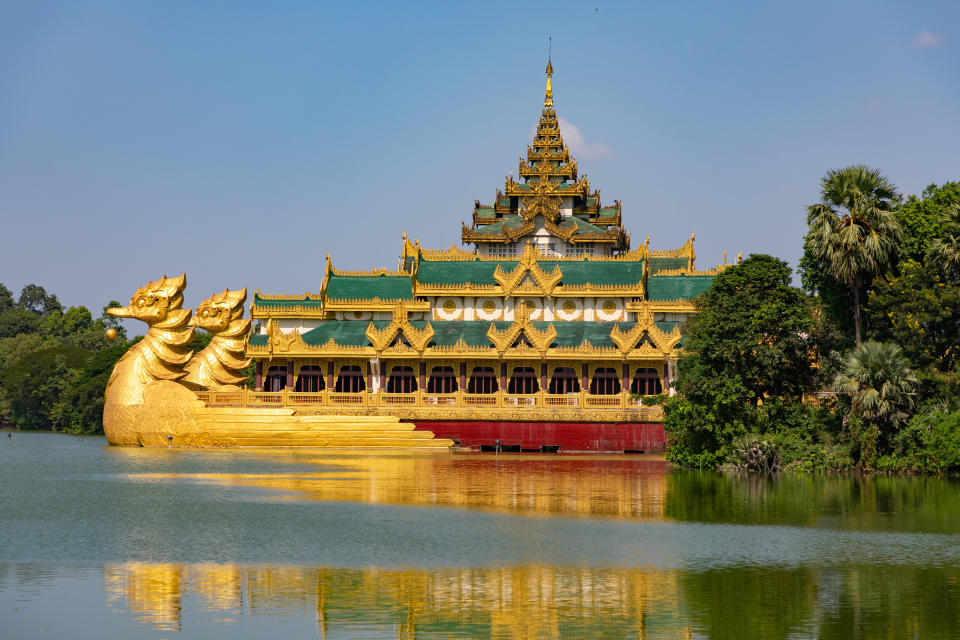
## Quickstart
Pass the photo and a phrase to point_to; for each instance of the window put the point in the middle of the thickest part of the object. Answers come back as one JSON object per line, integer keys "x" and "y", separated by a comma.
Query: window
{"x": 523, "y": 381}
{"x": 310, "y": 379}
{"x": 350, "y": 380}
{"x": 503, "y": 250}
{"x": 605, "y": 382}
{"x": 401, "y": 380}
{"x": 483, "y": 380}
{"x": 442, "y": 380}
{"x": 646, "y": 382}
{"x": 276, "y": 379}
{"x": 564, "y": 380}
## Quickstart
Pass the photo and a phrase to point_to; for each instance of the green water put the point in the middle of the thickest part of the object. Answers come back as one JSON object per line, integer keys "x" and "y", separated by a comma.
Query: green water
{"x": 154, "y": 543}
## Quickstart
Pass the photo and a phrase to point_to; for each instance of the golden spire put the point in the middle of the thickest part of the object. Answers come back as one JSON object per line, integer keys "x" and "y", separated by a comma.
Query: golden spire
{"x": 548, "y": 98}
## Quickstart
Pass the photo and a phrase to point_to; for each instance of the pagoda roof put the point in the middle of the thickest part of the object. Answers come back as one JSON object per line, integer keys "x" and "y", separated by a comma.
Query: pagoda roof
{"x": 383, "y": 287}
{"x": 677, "y": 287}
{"x": 668, "y": 263}
{"x": 267, "y": 302}
{"x": 474, "y": 333}
{"x": 575, "y": 272}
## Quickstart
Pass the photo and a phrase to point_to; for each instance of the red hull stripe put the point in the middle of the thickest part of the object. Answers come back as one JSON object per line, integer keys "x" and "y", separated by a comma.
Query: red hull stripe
{"x": 568, "y": 436}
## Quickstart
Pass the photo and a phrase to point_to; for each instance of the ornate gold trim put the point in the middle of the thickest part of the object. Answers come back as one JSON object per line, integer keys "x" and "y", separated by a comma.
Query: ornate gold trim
{"x": 539, "y": 340}
{"x": 382, "y": 338}
{"x": 527, "y": 265}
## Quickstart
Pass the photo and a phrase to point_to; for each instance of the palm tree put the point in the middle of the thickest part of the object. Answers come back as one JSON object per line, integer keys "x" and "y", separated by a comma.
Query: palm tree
{"x": 853, "y": 231}
{"x": 945, "y": 251}
{"x": 880, "y": 382}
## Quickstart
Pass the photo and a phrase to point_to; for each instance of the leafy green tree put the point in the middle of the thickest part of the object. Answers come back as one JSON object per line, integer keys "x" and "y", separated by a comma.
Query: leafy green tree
{"x": 59, "y": 324}
{"x": 750, "y": 341}
{"x": 853, "y": 231}
{"x": 17, "y": 322}
{"x": 920, "y": 312}
{"x": 35, "y": 298}
{"x": 6, "y": 299}
{"x": 85, "y": 397}
{"x": 35, "y": 384}
{"x": 944, "y": 252}
{"x": 881, "y": 386}
{"x": 921, "y": 218}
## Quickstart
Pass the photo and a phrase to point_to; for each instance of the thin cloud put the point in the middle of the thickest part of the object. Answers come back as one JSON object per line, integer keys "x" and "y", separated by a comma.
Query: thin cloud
{"x": 579, "y": 145}
{"x": 925, "y": 40}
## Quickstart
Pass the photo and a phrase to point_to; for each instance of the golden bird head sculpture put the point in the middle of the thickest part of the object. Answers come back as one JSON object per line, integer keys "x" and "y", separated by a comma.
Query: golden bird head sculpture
{"x": 217, "y": 312}
{"x": 154, "y": 301}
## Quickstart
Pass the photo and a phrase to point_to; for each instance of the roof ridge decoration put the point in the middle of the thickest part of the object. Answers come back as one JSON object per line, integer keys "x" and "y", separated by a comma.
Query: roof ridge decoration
{"x": 382, "y": 339}
{"x": 286, "y": 297}
{"x": 456, "y": 254}
{"x": 539, "y": 340}
{"x": 528, "y": 265}
{"x": 662, "y": 342}
{"x": 687, "y": 272}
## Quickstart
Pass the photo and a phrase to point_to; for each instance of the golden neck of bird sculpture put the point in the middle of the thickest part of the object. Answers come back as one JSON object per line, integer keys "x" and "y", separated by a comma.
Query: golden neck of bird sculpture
{"x": 163, "y": 352}
{"x": 220, "y": 364}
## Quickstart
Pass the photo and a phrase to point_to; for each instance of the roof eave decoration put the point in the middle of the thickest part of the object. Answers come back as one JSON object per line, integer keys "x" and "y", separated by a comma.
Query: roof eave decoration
{"x": 540, "y": 340}
{"x": 663, "y": 343}
{"x": 528, "y": 265}
{"x": 382, "y": 339}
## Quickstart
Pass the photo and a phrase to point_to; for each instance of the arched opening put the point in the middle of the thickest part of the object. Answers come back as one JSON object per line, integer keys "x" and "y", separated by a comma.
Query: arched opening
{"x": 646, "y": 382}
{"x": 564, "y": 380}
{"x": 310, "y": 379}
{"x": 605, "y": 382}
{"x": 482, "y": 380}
{"x": 523, "y": 381}
{"x": 442, "y": 380}
{"x": 401, "y": 380}
{"x": 350, "y": 380}
{"x": 275, "y": 379}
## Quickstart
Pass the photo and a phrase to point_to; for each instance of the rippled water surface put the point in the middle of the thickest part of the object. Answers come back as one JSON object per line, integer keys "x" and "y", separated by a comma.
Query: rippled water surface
{"x": 100, "y": 542}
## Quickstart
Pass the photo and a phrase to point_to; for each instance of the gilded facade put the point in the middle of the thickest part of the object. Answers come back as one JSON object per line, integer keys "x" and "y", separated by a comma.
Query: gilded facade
{"x": 548, "y": 313}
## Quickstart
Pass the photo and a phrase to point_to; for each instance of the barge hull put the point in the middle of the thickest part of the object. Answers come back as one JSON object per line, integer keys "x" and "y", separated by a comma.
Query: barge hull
{"x": 600, "y": 437}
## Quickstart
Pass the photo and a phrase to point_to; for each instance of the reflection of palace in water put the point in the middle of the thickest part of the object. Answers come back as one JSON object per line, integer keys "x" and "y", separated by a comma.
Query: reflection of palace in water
{"x": 629, "y": 487}
{"x": 513, "y": 602}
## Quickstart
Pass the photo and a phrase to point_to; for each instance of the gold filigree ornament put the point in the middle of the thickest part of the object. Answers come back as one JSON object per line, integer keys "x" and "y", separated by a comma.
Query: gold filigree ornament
{"x": 645, "y": 339}
{"x": 399, "y": 336}
{"x": 522, "y": 335}
{"x": 528, "y": 265}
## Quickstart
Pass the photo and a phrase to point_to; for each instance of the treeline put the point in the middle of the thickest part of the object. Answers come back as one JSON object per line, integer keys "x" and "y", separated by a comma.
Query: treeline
{"x": 55, "y": 362}
{"x": 858, "y": 369}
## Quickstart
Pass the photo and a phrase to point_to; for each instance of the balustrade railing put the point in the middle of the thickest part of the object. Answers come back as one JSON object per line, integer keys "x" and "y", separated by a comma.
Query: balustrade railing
{"x": 539, "y": 400}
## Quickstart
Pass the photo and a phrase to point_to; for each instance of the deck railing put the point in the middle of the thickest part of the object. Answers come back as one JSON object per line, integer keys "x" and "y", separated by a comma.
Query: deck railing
{"x": 417, "y": 399}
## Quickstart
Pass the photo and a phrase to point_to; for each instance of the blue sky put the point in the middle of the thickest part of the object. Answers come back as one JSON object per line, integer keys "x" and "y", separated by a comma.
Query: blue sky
{"x": 241, "y": 141}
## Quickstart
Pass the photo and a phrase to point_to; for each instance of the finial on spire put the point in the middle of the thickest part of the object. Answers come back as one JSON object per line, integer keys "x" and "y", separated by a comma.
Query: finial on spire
{"x": 548, "y": 98}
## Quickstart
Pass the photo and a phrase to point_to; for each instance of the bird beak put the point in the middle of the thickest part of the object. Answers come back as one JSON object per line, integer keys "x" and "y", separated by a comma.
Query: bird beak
{"x": 120, "y": 312}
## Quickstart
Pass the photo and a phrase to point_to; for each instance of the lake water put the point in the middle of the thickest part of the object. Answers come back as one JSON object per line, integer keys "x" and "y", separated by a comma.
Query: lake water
{"x": 97, "y": 541}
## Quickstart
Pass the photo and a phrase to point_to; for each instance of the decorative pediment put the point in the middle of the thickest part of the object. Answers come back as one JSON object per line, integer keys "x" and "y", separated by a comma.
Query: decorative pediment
{"x": 528, "y": 276}
{"x": 281, "y": 342}
{"x": 645, "y": 338}
{"x": 400, "y": 337}
{"x": 522, "y": 336}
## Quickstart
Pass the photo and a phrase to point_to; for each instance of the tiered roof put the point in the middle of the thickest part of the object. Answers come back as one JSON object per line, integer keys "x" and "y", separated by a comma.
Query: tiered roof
{"x": 548, "y": 174}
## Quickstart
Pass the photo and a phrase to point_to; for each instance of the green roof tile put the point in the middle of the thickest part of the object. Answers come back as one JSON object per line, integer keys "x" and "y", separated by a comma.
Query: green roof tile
{"x": 304, "y": 302}
{"x": 677, "y": 287}
{"x": 574, "y": 272}
{"x": 366, "y": 287}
